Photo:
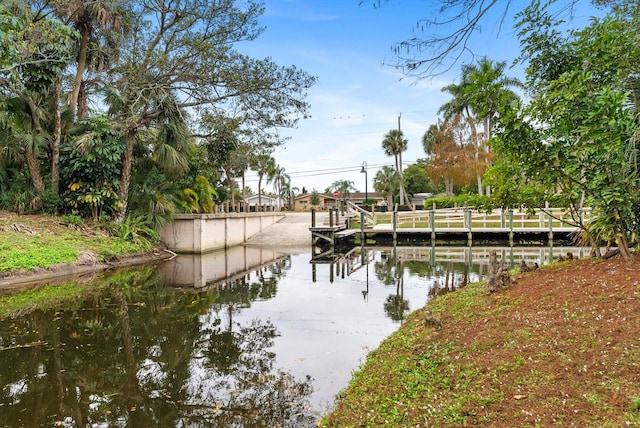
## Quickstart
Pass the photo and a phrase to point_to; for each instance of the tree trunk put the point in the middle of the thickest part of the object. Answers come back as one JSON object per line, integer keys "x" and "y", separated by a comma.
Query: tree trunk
{"x": 623, "y": 246}
{"x": 34, "y": 169}
{"x": 82, "y": 64}
{"x": 83, "y": 100}
{"x": 227, "y": 171}
{"x": 448, "y": 187}
{"x": 125, "y": 179}
{"x": 472, "y": 125}
{"x": 259, "y": 193}
{"x": 480, "y": 185}
{"x": 244, "y": 194}
{"x": 30, "y": 155}
{"x": 57, "y": 136}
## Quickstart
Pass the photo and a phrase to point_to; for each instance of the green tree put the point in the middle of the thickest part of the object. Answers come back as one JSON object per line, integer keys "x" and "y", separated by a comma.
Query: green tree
{"x": 91, "y": 165}
{"x": 221, "y": 143}
{"x": 482, "y": 91}
{"x": 180, "y": 56}
{"x": 35, "y": 49}
{"x": 280, "y": 180}
{"x": 394, "y": 144}
{"x": 344, "y": 187}
{"x": 588, "y": 108}
{"x": 429, "y": 139}
{"x": 417, "y": 180}
{"x": 314, "y": 198}
{"x": 488, "y": 90}
{"x": 460, "y": 104}
{"x": 23, "y": 135}
{"x": 263, "y": 164}
{"x": 386, "y": 181}
{"x": 101, "y": 25}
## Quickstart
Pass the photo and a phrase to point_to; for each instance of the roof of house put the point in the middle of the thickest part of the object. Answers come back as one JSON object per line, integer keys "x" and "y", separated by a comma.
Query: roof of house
{"x": 352, "y": 195}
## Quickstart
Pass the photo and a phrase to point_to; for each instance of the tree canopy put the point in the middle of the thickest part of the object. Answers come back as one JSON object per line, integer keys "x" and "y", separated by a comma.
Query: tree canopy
{"x": 577, "y": 139}
{"x": 168, "y": 77}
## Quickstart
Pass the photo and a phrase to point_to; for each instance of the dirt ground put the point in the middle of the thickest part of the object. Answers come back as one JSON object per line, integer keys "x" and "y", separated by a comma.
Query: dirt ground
{"x": 559, "y": 347}
{"x": 583, "y": 318}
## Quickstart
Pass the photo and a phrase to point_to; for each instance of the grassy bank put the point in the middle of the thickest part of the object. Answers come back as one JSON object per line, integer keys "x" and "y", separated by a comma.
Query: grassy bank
{"x": 32, "y": 242}
{"x": 560, "y": 347}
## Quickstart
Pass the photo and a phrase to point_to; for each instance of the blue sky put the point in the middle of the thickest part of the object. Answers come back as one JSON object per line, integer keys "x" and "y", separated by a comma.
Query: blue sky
{"x": 357, "y": 99}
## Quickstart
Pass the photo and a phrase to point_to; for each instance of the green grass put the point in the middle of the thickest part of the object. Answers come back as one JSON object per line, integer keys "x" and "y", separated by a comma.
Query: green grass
{"x": 54, "y": 242}
{"x": 19, "y": 251}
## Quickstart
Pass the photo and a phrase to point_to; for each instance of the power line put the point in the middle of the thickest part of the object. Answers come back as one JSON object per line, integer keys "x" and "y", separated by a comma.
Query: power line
{"x": 332, "y": 171}
{"x": 326, "y": 171}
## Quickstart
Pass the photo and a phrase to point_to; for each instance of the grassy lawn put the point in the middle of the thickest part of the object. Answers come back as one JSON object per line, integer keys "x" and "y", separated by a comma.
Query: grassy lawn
{"x": 30, "y": 242}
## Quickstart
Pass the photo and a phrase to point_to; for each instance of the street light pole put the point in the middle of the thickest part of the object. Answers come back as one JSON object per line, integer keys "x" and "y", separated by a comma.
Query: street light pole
{"x": 366, "y": 192}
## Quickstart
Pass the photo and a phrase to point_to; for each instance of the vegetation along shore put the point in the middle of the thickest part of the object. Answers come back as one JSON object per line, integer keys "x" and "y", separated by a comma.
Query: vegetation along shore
{"x": 39, "y": 247}
{"x": 115, "y": 116}
{"x": 558, "y": 347}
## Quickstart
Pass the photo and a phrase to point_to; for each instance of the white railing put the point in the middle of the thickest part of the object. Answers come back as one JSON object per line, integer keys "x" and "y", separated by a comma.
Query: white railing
{"x": 468, "y": 219}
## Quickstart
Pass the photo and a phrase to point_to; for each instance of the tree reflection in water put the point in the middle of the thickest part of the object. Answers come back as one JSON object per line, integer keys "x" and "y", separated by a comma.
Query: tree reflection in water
{"x": 132, "y": 352}
{"x": 390, "y": 271}
{"x": 165, "y": 358}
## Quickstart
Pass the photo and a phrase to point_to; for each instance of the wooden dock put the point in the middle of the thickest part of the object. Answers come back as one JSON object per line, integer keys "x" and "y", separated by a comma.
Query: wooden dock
{"x": 334, "y": 228}
{"x": 461, "y": 226}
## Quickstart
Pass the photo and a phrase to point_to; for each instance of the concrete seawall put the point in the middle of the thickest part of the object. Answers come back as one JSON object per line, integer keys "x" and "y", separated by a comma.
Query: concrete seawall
{"x": 199, "y": 233}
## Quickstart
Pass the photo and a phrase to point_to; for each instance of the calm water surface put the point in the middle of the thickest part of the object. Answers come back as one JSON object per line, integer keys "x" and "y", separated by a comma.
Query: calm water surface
{"x": 251, "y": 337}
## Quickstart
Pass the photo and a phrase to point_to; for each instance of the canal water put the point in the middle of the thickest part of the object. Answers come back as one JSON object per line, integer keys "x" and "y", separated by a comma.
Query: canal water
{"x": 251, "y": 337}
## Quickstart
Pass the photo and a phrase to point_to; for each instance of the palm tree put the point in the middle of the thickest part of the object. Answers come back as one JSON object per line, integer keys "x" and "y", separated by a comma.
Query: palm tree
{"x": 99, "y": 23}
{"x": 24, "y": 137}
{"x": 394, "y": 144}
{"x": 483, "y": 88}
{"x": 280, "y": 179}
{"x": 488, "y": 89}
{"x": 263, "y": 164}
{"x": 242, "y": 162}
{"x": 344, "y": 187}
{"x": 290, "y": 194}
{"x": 171, "y": 130}
{"x": 385, "y": 182}
{"x": 460, "y": 103}
{"x": 222, "y": 144}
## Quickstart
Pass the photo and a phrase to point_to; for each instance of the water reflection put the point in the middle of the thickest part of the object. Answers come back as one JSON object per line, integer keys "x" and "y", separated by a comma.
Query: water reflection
{"x": 252, "y": 337}
{"x": 131, "y": 352}
{"x": 216, "y": 268}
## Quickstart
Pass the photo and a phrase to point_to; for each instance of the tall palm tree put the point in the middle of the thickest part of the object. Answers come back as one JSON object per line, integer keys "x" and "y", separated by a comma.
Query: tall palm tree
{"x": 99, "y": 23}
{"x": 394, "y": 144}
{"x": 483, "y": 88}
{"x": 460, "y": 104}
{"x": 488, "y": 89}
{"x": 280, "y": 179}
